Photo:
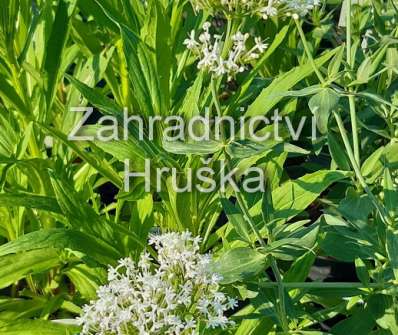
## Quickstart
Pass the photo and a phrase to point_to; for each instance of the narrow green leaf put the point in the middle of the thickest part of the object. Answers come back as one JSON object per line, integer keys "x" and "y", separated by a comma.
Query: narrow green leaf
{"x": 18, "y": 266}
{"x": 237, "y": 220}
{"x": 63, "y": 239}
{"x": 55, "y": 47}
{"x": 30, "y": 201}
{"x": 8, "y": 93}
{"x": 37, "y": 327}
{"x": 300, "y": 268}
{"x": 362, "y": 271}
{"x": 296, "y": 195}
{"x": 338, "y": 152}
{"x": 269, "y": 97}
{"x": 194, "y": 148}
{"x": 392, "y": 249}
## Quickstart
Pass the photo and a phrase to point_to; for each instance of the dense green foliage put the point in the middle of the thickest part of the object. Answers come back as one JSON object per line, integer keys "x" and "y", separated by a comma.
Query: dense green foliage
{"x": 316, "y": 253}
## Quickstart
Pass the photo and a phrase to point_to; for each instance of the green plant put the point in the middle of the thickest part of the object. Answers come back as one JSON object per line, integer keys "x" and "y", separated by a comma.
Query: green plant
{"x": 65, "y": 215}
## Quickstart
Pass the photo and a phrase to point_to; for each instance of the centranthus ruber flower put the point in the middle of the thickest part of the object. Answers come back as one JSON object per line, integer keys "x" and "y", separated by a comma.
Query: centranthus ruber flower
{"x": 176, "y": 294}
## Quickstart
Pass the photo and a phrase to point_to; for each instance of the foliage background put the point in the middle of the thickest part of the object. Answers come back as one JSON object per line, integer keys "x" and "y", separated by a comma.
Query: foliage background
{"x": 316, "y": 254}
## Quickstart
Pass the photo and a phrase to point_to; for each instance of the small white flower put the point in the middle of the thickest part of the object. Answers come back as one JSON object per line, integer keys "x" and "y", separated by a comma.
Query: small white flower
{"x": 190, "y": 42}
{"x": 260, "y": 45}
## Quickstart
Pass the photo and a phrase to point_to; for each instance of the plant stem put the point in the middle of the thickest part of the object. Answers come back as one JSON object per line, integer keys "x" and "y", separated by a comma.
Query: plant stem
{"x": 351, "y": 98}
{"x": 249, "y": 220}
{"x": 384, "y": 215}
{"x": 308, "y": 52}
{"x": 348, "y": 32}
{"x": 354, "y": 126}
{"x": 327, "y": 285}
{"x": 274, "y": 265}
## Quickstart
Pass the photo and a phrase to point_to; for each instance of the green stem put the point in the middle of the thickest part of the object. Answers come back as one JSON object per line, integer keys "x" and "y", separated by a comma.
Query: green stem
{"x": 348, "y": 31}
{"x": 32, "y": 143}
{"x": 327, "y": 285}
{"x": 274, "y": 264}
{"x": 351, "y": 98}
{"x": 384, "y": 215}
{"x": 249, "y": 220}
{"x": 354, "y": 126}
{"x": 308, "y": 52}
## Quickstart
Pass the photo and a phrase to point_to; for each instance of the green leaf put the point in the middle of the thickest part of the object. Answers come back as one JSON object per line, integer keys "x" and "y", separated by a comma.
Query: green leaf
{"x": 30, "y": 201}
{"x": 356, "y": 207}
{"x": 37, "y": 327}
{"x": 359, "y": 323}
{"x": 76, "y": 241}
{"x": 322, "y": 104}
{"x": 190, "y": 107}
{"x": 295, "y": 196}
{"x": 392, "y": 249}
{"x": 245, "y": 148}
{"x": 91, "y": 7}
{"x": 364, "y": 72}
{"x": 239, "y": 264}
{"x": 55, "y": 46}
{"x": 276, "y": 42}
{"x": 109, "y": 107}
{"x": 362, "y": 271}
{"x": 338, "y": 152}
{"x": 9, "y": 95}
{"x": 270, "y": 96}
{"x": 373, "y": 167}
{"x": 17, "y": 308}
{"x": 310, "y": 90}
{"x": 390, "y": 194}
{"x": 142, "y": 72}
{"x": 17, "y": 266}
{"x": 86, "y": 279}
{"x": 344, "y": 247}
{"x": 383, "y": 311}
{"x": 101, "y": 165}
{"x": 335, "y": 63}
{"x": 237, "y": 220}
{"x": 194, "y": 148}
{"x": 300, "y": 268}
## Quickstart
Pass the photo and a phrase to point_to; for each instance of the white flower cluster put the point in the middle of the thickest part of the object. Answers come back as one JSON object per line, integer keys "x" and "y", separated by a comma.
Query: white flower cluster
{"x": 297, "y": 8}
{"x": 262, "y": 8}
{"x": 209, "y": 49}
{"x": 176, "y": 294}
